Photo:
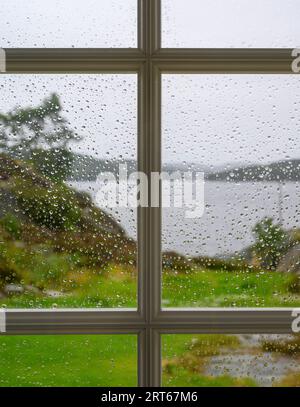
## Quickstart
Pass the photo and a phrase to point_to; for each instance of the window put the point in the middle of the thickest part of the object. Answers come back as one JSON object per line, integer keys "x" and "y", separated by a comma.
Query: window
{"x": 87, "y": 258}
{"x": 233, "y": 128}
{"x": 97, "y": 94}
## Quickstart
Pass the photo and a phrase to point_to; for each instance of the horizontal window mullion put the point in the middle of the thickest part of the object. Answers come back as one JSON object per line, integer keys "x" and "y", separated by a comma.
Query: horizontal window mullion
{"x": 224, "y": 60}
{"x": 71, "y": 321}
{"x": 276, "y": 320}
{"x": 167, "y": 60}
{"x": 51, "y": 60}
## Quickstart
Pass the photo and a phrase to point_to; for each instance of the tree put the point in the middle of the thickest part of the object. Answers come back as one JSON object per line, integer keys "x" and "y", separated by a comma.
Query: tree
{"x": 40, "y": 135}
{"x": 271, "y": 243}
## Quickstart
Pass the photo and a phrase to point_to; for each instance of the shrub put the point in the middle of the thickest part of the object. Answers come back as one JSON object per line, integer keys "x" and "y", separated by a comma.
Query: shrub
{"x": 9, "y": 272}
{"x": 175, "y": 262}
{"x": 221, "y": 264}
{"x": 293, "y": 285}
{"x": 271, "y": 243}
{"x": 290, "y": 346}
{"x": 12, "y": 225}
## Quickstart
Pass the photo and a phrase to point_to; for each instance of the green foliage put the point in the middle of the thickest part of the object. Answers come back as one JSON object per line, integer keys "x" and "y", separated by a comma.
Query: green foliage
{"x": 271, "y": 243}
{"x": 11, "y": 225}
{"x": 9, "y": 271}
{"x": 293, "y": 284}
{"x": 54, "y": 207}
{"x": 289, "y": 346}
{"x": 49, "y": 270}
{"x": 55, "y": 164}
{"x": 40, "y": 135}
{"x": 213, "y": 263}
{"x": 174, "y": 262}
{"x": 31, "y": 128}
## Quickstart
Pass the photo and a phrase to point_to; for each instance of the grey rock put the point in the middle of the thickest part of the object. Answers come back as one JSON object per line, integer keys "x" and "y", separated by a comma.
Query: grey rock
{"x": 53, "y": 293}
{"x": 13, "y": 289}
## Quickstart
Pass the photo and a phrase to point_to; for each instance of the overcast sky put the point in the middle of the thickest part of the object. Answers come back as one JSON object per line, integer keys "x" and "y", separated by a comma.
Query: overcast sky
{"x": 231, "y": 23}
{"x": 206, "y": 118}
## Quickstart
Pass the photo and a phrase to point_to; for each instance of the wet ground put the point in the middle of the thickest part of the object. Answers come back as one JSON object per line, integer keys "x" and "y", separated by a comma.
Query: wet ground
{"x": 250, "y": 361}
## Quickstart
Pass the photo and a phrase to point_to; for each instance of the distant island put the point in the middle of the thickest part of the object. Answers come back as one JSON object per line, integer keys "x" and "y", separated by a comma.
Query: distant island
{"x": 287, "y": 170}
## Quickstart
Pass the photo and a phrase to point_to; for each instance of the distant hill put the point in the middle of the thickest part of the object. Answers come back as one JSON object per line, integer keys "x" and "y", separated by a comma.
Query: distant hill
{"x": 288, "y": 170}
{"x": 87, "y": 168}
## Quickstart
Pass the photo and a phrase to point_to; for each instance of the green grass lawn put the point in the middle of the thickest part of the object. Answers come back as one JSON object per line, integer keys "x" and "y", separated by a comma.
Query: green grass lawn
{"x": 68, "y": 360}
{"x": 207, "y": 288}
{"x": 99, "y": 360}
{"x": 202, "y": 288}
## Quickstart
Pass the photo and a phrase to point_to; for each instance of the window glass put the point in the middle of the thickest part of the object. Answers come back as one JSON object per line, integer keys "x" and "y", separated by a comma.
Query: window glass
{"x": 63, "y": 242}
{"x": 231, "y": 360}
{"x": 68, "y": 360}
{"x": 47, "y": 23}
{"x": 230, "y": 23}
{"x": 233, "y": 240}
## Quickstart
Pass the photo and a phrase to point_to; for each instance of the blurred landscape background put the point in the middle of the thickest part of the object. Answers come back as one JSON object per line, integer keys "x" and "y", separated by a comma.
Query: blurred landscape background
{"x": 59, "y": 249}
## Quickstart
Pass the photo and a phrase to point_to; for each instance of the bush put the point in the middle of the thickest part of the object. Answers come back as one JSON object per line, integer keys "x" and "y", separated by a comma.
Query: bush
{"x": 175, "y": 262}
{"x": 293, "y": 285}
{"x": 290, "y": 346}
{"x": 272, "y": 242}
{"x": 221, "y": 264}
{"x": 9, "y": 271}
{"x": 11, "y": 225}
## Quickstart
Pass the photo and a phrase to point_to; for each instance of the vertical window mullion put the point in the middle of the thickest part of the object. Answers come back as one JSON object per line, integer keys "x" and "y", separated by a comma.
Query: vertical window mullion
{"x": 149, "y": 363}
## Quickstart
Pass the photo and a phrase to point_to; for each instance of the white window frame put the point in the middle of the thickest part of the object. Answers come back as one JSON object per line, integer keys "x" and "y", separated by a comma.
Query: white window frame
{"x": 149, "y": 321}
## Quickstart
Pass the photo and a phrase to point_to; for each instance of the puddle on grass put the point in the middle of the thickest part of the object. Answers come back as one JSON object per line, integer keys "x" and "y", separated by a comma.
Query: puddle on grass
{"x": 266, "y": 368}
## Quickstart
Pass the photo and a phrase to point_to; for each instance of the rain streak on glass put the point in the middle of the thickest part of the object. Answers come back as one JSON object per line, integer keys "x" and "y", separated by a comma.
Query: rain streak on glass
{"x": 59, "y": 246}
{"x": 230, "y": 23}
{"x": 68, "y": 361}
{"x": 242, "y": 133}
{"x": 47, "y": 23}
{"x": 231, "y": 360}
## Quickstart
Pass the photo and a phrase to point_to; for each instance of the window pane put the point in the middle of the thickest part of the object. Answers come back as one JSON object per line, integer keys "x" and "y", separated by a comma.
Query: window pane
{"x": 241, "y": 132}
{"x": 63, "y": 243}
{"x": 230, "y": 23}
{"x": 68, "y": 23}
{"x": 68, "y": 360}
{"x": 231, "y": 360}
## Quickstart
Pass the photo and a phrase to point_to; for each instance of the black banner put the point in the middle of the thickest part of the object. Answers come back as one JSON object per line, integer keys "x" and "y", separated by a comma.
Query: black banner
{"x": 90, "y": 397}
